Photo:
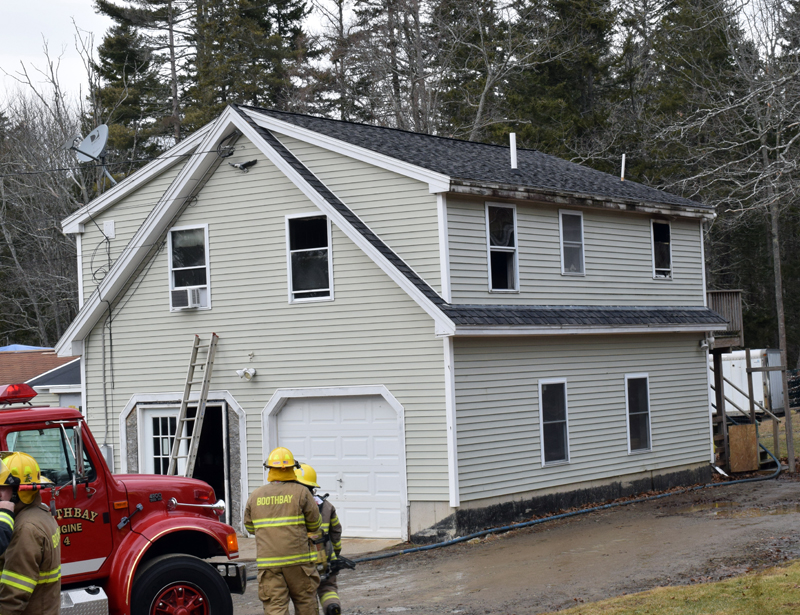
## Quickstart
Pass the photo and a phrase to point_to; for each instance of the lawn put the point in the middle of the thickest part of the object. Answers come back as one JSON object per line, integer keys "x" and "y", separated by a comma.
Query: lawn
{"x": 765, "y": 435}
{"x": 773, "y": 592}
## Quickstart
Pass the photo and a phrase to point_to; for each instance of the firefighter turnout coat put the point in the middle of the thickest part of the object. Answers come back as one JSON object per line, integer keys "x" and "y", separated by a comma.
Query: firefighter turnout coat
{"x": 328, "y": 591}
{"x": 6, "y": 529}
{"x": 30, "y": 583}
{"x": 281, "y": 515}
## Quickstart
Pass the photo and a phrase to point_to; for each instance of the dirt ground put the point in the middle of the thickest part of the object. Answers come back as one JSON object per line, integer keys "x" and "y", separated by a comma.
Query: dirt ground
{"x": 704, "y": 536}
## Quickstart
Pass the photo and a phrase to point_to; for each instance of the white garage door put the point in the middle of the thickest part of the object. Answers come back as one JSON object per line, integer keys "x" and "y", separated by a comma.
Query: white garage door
{"x": 354, "y": 445}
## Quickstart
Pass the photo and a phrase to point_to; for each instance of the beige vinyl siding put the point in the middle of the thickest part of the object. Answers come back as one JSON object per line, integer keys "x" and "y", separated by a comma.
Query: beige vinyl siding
{"x": 373, "y": 333}
{"x": 497, "y": 408}
{"x": 128, "y": 215}
{"x": 400, "y": 210}
{"x": 617, "y": 253}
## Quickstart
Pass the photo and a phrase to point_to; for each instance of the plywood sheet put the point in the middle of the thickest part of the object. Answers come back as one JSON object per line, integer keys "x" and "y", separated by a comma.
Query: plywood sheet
{"x": 744, "y": 448}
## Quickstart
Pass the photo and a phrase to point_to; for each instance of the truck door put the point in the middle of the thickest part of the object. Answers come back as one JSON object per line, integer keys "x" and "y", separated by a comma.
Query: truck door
{"x": 82, "y": 512}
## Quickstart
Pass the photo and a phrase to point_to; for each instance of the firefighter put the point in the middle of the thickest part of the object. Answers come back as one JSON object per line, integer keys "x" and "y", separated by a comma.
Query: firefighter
{"x": 332, "y": 533}
{"x": 281, "y": 514}
{"x": 6, "y": 512}
{"x": 31, "y": 579}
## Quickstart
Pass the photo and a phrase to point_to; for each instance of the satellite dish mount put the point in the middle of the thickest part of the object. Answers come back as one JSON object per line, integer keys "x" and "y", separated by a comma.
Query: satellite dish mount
{"x": 93, "y": 147}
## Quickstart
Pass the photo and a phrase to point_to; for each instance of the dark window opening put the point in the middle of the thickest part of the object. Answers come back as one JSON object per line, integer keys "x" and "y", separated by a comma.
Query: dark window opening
{"x": 554, "y": 422}
{"x": 502, "y": 248}
{"x": 662, "y": 258}
{"x": 309, "y": 256}
{"x": 638, "y": 414}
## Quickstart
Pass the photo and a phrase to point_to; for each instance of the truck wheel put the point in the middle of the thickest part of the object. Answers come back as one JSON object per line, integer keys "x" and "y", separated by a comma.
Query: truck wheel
{"x": 180, "y": 585}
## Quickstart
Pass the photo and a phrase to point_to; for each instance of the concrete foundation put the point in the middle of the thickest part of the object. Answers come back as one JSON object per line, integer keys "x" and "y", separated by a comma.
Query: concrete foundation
{"x": 436, "y": 521}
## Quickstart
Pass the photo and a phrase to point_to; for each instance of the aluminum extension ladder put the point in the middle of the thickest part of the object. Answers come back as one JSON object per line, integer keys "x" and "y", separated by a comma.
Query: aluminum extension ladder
{"x": 206, "y": 364}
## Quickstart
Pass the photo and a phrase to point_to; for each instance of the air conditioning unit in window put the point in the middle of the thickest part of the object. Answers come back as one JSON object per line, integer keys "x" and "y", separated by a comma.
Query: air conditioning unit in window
{"x": 187, "y": 299}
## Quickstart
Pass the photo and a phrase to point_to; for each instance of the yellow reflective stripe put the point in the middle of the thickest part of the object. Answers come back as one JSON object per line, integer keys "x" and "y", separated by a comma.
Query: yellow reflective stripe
{"x": 337, "y": 545}
{"x": 50, "y": 576}
{"x": 7, "y": 519}
{"x": 325, "y": 527}
{"x": 335, "y": 521}
{"x": 329, "y": 596}
{"x": 19, "y": 581}
{"x": 287, "y": 560}
{"x": 315, "y": 525}
{"x": 279, "y": 521}
{"x": 249, "y": 527}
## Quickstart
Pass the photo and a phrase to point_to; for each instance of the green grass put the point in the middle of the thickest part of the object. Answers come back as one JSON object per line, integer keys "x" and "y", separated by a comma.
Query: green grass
{"x": 773, "y": 592}
{"x": 765, "y": 435}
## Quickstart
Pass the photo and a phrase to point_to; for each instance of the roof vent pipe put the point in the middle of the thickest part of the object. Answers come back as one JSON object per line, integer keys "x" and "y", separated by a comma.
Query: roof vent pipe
{"x": 622, "y": 174}
{"x": 513, "y": 142}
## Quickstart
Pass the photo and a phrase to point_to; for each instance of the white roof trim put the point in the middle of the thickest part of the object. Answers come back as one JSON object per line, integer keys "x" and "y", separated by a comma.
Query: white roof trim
{"x": 164, "y": 162}
{"x": 444, "y": 326}
{"x": 437, "y": 182}
{"x": 71, "y": 343}
{"x": 471, "y": 330}
{"x": 156, "y": 222}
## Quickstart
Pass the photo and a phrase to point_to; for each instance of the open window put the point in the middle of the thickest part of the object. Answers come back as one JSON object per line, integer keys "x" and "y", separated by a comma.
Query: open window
{"x": 308, "y": 244}
{"x": 572, "y": 262}
{"x": 661, "y": 234}
{"x": 188, "y": 268}
{"x": 501, "y": 233}
{"x": 553, "y": 425}
{"x": 637, "y": 402}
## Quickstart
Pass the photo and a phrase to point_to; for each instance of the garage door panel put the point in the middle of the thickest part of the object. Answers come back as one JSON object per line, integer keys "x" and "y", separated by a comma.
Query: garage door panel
{"x": 354, "y": 444}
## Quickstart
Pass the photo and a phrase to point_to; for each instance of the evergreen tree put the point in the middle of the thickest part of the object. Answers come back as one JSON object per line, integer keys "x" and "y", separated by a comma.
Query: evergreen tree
{"x": 247, "y": 52}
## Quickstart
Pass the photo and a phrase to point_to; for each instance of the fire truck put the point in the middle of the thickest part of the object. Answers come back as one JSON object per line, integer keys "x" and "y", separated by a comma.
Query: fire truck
{"x": 131, "y": 544}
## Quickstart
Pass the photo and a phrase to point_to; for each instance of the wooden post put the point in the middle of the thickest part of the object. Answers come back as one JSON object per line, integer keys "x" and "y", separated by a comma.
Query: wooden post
{"x": 788, "y": 411}
{"x": 750, "y": 387}
{"x": 719, "y": 384}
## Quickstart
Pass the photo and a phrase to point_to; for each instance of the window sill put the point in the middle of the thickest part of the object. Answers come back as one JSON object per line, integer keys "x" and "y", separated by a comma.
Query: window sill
{"x": 504, "y": 291}
{"x": 640, "y": 451}
{"x": 311, "y": 300}
{"x": 197, "y": 309}
{"x": 551, "y": 464}
{"x": 574, "y": 274}
{"x": 666, "y": 278}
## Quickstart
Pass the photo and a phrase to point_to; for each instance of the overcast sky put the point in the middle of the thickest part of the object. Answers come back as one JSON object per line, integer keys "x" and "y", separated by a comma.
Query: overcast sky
{"x": 26, "y": 24}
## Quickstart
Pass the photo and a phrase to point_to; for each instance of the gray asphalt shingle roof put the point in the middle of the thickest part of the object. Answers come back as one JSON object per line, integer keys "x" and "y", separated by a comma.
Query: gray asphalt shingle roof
{"x": 498, "y": 315}
{"x": 483, "y": 163}
{"x": 580, "y": 316}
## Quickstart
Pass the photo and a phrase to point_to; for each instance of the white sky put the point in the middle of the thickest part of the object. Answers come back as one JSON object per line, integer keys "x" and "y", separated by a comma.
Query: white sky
{"x": 26, "y": 24}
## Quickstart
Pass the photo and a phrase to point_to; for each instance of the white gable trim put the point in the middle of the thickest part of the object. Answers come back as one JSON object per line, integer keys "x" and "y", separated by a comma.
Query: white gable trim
{"x": 437, "y": 182}
{"x": 164, "y": 162}
{"x": 444, "y": 326}
{"x": 156, "y": 222}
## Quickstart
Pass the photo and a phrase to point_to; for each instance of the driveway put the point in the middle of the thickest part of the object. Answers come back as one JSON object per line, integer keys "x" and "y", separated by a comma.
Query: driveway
{"x": 688, "y": 538}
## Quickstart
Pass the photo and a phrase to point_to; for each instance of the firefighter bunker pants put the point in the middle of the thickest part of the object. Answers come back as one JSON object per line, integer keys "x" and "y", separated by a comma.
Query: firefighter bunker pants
{"x": 327, "y": 592}
{"x": 277, "y": 585}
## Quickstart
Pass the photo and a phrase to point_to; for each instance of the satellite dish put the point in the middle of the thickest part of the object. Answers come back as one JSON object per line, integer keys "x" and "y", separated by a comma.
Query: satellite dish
{"x": 93, "y": 145}
{"x": 72, "y": 141}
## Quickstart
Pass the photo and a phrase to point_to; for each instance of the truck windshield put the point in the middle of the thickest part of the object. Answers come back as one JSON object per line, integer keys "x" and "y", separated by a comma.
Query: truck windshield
{"x": 52, "y": 453}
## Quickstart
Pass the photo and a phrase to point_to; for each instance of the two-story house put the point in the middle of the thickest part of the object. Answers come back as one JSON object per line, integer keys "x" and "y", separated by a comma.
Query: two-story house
{"x": 451, "y": 342}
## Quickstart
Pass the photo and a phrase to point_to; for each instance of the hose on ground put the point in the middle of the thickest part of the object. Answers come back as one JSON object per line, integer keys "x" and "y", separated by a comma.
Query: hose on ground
{"x": 574, "y": 513}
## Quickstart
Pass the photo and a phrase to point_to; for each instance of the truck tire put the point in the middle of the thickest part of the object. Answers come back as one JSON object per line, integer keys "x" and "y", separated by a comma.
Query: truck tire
{"x": 179, "y": 584}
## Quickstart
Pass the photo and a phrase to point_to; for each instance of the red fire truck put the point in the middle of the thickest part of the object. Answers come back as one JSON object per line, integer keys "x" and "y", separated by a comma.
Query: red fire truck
{"x": 132, "y": 541}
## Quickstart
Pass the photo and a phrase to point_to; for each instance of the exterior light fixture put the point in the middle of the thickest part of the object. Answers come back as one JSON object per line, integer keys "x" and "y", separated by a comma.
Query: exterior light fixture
{"x": 246, "y": 374}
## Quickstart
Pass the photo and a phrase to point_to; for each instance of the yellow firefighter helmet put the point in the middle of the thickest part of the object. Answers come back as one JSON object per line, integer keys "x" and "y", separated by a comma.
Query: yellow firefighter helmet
{"x": 280, "y": 458}
{"x": 306, "y": 475}
{"x": 23, "y": 468}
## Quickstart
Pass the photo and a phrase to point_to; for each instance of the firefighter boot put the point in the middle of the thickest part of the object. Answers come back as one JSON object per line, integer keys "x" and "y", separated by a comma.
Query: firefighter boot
{"x": 333, "y": 609}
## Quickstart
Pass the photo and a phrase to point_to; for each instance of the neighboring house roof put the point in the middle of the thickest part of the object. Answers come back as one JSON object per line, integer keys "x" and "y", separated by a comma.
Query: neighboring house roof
{"x": 481, "y": 162}
{"x": 21, "y": 366}
{"x": 581, "y": 317}
{"x": 65, "y": 375}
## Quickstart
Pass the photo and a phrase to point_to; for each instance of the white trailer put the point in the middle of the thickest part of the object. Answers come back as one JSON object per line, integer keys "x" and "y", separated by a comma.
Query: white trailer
{"x": 766, "y": 385}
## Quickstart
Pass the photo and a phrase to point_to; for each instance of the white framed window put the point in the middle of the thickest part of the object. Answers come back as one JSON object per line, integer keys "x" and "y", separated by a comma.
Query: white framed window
{"x": 159, "y": 431}
{"x": 553, "y": 421}
{"x": 661, "y": 240}
{"x": 189, "y": 275}
{"x": 571, "y": 230}
{"x": 637, "y": 407}
{"x": 501, "y": 247}
{"x": 308, "y": 258}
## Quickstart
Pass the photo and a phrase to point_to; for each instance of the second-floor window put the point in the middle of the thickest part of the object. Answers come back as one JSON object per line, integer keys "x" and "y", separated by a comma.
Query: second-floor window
{"x": 309, "y": 247}
{"x": 501, "y": 231}
{"x": 188, "y": 268}
{"x": 571, "y": 242}
{"x": 662, "y": 249}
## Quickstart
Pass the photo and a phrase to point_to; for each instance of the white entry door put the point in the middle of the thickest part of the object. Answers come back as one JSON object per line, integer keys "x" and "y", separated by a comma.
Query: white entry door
{"x": 354, "y": 445}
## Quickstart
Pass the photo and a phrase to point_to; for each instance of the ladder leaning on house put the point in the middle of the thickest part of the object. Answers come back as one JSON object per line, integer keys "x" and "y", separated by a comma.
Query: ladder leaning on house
{"x": 182, "y": 431}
